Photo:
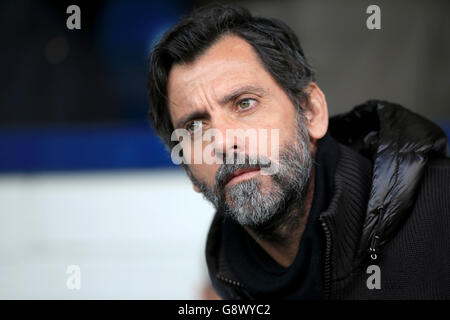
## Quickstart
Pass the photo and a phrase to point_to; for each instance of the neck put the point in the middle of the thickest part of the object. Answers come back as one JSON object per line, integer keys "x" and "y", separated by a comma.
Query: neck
{"x": 283, "y": 240}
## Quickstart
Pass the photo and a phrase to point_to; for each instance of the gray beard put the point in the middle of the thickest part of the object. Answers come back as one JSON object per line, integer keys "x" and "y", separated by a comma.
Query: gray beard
{"x": 274, "y": 214}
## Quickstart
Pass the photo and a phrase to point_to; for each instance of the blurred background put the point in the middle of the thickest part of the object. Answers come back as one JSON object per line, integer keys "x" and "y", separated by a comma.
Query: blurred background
{"x": 84, "y": 180}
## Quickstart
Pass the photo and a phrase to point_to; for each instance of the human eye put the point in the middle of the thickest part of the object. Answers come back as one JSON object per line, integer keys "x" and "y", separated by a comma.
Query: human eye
{"x": 193, "y": 126}
{"x": 246, "y": 104}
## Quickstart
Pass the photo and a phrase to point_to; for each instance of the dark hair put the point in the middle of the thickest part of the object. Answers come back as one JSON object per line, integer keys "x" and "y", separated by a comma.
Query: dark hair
{"x": 275, "y": 43}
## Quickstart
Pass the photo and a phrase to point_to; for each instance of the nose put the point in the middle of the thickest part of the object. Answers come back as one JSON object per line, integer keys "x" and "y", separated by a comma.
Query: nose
{"x": 226, "y": 143}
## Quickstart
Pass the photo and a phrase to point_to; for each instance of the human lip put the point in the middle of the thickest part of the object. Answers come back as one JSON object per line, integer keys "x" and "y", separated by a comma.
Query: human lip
{"x": 242, "y": 174}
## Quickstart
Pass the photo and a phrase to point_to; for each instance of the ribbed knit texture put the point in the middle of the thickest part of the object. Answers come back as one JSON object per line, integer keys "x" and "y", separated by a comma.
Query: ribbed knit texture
{"x": 415, "y": 264}
{"x": 346, "y": 213}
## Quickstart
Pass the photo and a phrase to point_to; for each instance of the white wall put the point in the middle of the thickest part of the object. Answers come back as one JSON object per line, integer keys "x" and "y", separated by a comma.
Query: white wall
{"x": 135, "y": 235}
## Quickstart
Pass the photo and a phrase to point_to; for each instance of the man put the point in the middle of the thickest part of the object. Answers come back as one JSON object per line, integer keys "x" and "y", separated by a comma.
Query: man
{"x": 359, "y": 204}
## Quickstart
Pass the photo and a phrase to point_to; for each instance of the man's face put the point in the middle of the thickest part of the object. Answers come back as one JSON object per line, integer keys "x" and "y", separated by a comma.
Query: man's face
{"x": 226, "y": 88}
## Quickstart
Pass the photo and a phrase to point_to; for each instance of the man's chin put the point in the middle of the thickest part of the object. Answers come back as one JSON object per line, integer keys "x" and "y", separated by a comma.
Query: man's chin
{"x": 234, "y": 188}
{"x": 264, "y": 184}
{"x": 254, "y": 209}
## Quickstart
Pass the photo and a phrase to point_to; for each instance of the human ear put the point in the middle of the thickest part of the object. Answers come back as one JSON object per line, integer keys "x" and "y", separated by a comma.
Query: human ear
{"x": 316, "y": 113}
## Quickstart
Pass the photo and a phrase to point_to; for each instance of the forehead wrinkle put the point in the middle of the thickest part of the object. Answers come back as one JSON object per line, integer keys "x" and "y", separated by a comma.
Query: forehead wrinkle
{"x": 200, "y": 103}
{"x": 201, "y": 100}
{"x": 210, "y": 99}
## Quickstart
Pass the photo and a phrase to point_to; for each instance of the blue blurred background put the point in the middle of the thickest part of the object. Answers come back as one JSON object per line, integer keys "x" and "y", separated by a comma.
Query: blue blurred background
{"x": 83, "y": 178}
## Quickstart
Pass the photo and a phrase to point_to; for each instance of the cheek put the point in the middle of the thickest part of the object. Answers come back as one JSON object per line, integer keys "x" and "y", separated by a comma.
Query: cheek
{"x": 289, "y": 131}
{"x": 281, "y": 132}
{"x": 278, "y": 117}
{"x": 205, "y": 173}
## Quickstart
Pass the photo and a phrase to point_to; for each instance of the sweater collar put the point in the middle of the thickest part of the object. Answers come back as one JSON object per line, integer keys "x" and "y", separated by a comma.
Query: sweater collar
{"x": 347, "y": 210}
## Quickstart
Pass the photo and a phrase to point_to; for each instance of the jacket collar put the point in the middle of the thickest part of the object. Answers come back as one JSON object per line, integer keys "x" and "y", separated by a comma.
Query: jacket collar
{"x": 399, "y": 142}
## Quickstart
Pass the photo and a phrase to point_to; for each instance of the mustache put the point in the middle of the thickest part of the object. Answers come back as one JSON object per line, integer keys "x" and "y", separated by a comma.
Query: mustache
{"x": 226, "y": 171}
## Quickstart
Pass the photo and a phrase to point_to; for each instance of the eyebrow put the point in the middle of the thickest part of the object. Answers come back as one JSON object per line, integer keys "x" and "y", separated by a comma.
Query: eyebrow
{"x": 198, "y": 114}
{"x": 240, "y": 91}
